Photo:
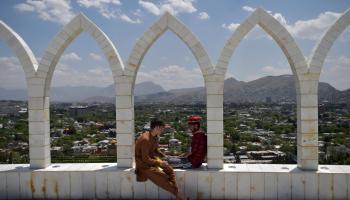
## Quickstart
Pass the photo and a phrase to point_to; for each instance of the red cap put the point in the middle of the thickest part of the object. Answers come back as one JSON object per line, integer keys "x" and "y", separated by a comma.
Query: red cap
{"x": 194, "y": 119}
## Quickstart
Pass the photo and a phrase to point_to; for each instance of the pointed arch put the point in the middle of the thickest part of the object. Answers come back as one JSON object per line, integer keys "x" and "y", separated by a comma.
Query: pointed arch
{"x": 272, "y": 27}
{"x": 21, "y": 49}
{"x": 167, "y": 22}
{"x": 294, "y": 56}
{"x": 78, "y": 24}
{"x": 321, "y": 50}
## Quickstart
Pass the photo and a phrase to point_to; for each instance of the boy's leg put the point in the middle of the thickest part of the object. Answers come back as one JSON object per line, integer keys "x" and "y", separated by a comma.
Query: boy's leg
{"x": 186, "y": 163}
{"x": 168, "y": 170}
{"x": 161, "y": 179}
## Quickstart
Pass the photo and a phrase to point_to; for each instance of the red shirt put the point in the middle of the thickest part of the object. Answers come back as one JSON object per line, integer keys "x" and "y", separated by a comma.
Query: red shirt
{"x": 198, "y": 148}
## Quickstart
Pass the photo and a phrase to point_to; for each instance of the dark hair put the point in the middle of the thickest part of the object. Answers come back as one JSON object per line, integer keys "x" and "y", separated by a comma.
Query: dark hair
{"x": 156, "y": 122}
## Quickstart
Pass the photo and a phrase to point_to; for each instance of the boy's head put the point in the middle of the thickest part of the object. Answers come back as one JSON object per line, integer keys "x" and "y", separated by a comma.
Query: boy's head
{"x": 157, "y": 127}
{"x": 194, "y": 123}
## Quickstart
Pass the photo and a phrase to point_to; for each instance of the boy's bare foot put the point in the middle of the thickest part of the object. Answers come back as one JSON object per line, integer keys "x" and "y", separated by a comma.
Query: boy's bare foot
{"x": 181, "y": 196}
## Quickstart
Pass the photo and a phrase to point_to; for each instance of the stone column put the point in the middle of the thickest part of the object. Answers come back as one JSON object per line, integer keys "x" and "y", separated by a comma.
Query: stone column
{"x": 307, "y": 111}
{"x": 125, "y": 121}
{"x": 214, "y": 87}
{"x": 39, "y": 126}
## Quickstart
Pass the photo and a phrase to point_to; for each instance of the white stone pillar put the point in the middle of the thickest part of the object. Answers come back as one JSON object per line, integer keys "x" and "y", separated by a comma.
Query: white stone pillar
{"x": 39, "y": 125}
{"x": 125, "y": 121}
{"x": 214, "y": 89}
{"x": 307, "y": 138}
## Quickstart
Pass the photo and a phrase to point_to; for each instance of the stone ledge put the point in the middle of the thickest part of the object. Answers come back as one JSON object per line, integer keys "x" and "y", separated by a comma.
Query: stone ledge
{"x": 250, "y": 168}
{"x": 234, "y": 181}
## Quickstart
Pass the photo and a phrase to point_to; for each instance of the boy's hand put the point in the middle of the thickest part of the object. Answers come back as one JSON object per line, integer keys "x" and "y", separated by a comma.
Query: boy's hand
{"x": 164, "y": 164}
{"x": 185, "y": 155}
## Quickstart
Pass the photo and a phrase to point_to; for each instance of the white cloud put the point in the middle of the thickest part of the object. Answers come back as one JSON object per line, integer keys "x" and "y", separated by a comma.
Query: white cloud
{"x": 231, "y": 27}
{"x": 336, "y": 72}
{"x": 172, "y": 6}
{"x": 104, "y": 7}
{"x": 138, "y": 13}
{"x": 276, "y": 71}
{"x": 203, "y": 15}
{"x": 128, "y": 19}
{"x": 248, "y": 8}
{"x": 65, "y": 75}
{"x": 24, "y": 7}
{"x": 150, "y": 7}
{"x": 229, "y": 75}
{"x": 108, "y": 9}
{"x": 311, "y": 29}
{"x": 95, "y": 56}
{"x": 97, "y": 3}
{"x": 71, "y": 57}
{"x": 268, "y": 71}
{"x": 256, "y": 32}
{"x": 48, "y": 10}
{"x": 12, "y": 74}
{"x": 277, "y": 16}
{"x": 172, "y": 77}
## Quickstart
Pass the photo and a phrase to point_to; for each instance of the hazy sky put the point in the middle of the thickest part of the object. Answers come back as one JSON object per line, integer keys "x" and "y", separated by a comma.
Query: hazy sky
{"x": 169, "y": 62}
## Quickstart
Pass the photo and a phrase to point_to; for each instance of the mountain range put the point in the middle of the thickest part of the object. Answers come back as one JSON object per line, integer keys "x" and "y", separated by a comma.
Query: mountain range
{"x": 273, "y": 88}
{"x": 276, "y": 88}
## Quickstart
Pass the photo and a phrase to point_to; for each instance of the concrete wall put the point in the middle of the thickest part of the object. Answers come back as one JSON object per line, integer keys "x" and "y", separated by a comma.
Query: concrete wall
{"x": 234, "y": 181}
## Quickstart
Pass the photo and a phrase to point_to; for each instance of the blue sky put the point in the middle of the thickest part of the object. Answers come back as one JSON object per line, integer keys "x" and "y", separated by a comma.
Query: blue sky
{"x": 169, "y": 62}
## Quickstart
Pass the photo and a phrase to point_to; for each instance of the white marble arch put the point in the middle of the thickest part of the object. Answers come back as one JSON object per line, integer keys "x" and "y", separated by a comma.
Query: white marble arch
{"x": 20, "y": 48}
{"x": 171, "y": 23}
{"x": 322, "y": 48}
{"x": 125, "y": 88}
{"x": 39, "y": 119}
{"x": 272, "y": 27}
{"x": 27, "y": 60}
{"x": 308, "y": 123}
{"x": 306, "y": 115}
{"x": 69, "y": 32}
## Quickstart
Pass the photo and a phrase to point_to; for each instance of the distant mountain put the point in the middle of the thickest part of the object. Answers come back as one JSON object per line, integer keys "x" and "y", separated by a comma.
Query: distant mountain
{"x": 82, "y": 93}
{"x": 141, "y": 89}
{"x": 176, "y": 96}
{"x": 98, "y": 99}
{"x": 13, "y": 94}
{"x": 146, "y": 88}
{"x": 277, "y": 88}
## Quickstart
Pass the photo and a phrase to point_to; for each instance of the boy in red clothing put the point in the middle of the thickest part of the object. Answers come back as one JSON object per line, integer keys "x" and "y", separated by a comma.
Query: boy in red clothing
{"x": 199, "y": 143}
